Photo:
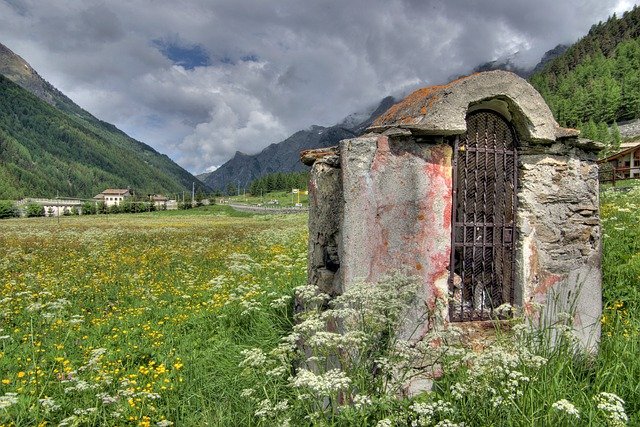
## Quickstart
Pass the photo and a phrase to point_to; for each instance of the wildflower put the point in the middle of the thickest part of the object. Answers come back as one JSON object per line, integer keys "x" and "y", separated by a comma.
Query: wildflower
{"x": 613, "y": 408}
{"x": 563, "y": 405}
{"x": 49, "y": 404}
{"x": 8, "y": 399}
{"x": 323, "y": 384}
{"x": 247, "y": 392}
{"x": 360, "y": 401}
{"x": 385, "y": 422}
{"x": 254, "y": 357}
{"x": 164, "y": 423}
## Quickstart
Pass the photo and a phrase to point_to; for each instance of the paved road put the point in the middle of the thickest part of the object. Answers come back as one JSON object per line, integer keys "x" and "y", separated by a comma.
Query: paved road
{"x": 267, "y": 209}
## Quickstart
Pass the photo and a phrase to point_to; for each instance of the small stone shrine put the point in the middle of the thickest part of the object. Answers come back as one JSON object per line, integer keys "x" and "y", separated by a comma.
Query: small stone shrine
{"x": 475, "y": 189}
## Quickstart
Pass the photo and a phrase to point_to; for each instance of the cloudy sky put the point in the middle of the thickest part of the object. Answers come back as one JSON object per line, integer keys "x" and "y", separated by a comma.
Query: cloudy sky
{"x": 200, "y": 79}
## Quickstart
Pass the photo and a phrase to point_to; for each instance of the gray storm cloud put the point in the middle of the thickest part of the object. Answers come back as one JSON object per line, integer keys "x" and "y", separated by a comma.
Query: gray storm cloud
{"x": 262, "y": 70}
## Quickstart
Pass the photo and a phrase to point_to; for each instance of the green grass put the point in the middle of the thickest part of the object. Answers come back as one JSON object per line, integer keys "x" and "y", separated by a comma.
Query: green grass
{"x": 284, "y": 198}
{"x": 172, "y": 298}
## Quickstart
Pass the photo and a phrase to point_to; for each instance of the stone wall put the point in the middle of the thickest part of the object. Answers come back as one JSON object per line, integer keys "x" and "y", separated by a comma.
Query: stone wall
{"x": 629, "y": 129}
{"x": 559, "y": 250}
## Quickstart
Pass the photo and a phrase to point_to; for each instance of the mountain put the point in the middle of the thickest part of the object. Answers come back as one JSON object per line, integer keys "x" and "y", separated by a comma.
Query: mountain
{"x": 284, "y": 156}
{"x": 596, "y": 81}
{"x": 509, "y": 63}
{"x": 548, "y": 56}
{"x": 49, "y": 145}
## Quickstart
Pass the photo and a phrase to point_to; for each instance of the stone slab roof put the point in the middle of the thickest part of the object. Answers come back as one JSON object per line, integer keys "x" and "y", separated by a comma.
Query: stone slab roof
{"x": 442, "y": 110}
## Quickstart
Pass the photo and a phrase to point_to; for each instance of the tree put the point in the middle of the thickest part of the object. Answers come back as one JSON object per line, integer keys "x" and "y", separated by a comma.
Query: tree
{"x": 88, "y": 208}
{"x": 34, "y": 209}
{"x": 8, "y": 209}
{"x": 231, "y": 189}
{"x": 616, "y": 138}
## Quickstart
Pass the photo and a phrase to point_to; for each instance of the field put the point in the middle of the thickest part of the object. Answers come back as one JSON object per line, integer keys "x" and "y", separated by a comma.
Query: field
{"x": 140, "y": 319}
{"x": 147, "y": 319}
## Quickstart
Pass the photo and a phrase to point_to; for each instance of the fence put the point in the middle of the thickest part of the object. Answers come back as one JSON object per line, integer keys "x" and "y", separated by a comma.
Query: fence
{"x": 613, "y": 175}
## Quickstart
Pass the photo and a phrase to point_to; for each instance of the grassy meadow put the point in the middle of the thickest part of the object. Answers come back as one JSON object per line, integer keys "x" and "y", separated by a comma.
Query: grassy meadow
{"x": 148, "y": 320}
{"x": 140, "y": 319}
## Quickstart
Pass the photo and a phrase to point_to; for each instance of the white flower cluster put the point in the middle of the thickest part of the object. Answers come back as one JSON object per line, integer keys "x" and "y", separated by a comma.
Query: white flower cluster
{"x": 8, "y": 399}
{"x": 424, "y": 414}
{"x": 254, "y": 357}
{"x": 497, "y": 374}
{"x": 266, "y": 409}
{"x": 613, "y": 408}
{"x": 361, "y": 400}
{"x": 49, "y": 404}
{"x": 325, "y": 384}
{"x": 563, "y": 405}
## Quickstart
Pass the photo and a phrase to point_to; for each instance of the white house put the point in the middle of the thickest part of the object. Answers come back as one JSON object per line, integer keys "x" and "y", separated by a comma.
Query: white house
{"x": 112, "y": 196}
{"x": 159, "y": 201}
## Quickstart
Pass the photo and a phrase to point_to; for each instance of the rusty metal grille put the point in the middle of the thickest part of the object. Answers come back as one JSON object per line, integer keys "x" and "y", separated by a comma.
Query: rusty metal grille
{"x": 483, "y": 218}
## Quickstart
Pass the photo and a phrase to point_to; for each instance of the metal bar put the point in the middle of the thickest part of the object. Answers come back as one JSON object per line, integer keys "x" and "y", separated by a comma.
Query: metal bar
{"x": 454, "y": 208}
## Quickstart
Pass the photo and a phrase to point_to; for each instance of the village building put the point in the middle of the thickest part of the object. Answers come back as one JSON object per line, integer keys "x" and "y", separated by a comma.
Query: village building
{"x": 473, "y": 188}
{"x": 626, "y": 162}
{"x": 159, "y": 201}
{"x": 112, "y": 196}
{"x": 54, "y": 207}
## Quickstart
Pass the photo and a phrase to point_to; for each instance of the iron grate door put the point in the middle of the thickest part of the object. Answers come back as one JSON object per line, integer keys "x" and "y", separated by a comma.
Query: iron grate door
{"x": 483, "y": 218}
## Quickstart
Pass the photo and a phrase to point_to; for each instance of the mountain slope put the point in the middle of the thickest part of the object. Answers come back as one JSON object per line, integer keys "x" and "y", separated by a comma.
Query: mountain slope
{"x": 597, "y": 78}
{"x": 284, "y": 156}
{"x": 49, "y": 145}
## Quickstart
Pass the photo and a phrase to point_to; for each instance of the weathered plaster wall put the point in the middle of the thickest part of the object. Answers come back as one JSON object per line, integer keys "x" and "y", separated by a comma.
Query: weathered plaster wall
{"x": 559, "y": 238}
{"x": 397, "y": 215}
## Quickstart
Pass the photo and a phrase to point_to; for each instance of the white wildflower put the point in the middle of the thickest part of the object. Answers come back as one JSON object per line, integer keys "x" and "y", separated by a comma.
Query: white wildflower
{"x": 449, "y": 423}
{"x": 8, "y": 399}
{"x": 164, "y": 423}
{"x": 254, "y": 357}
{"x": 361, "y": 400}
{"x": 49, "y": 404}
{"x": 613, "y": 407}
{"x": 107, "y": 399}
{"x": 563, "y": 405}
{"x": 247, "y": 392}
{"x": 323, "y": 384}
{"x": 386, "y": 422}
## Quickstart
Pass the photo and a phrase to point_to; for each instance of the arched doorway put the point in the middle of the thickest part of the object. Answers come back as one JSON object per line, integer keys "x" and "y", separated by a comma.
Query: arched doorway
{"x": 485, "y": 183}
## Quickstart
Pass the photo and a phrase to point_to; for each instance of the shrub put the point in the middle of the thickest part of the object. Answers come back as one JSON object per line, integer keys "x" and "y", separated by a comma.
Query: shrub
{"x": 114, "y": 209}
{"x": 8, "y": 209}
{"x": 101, "y": 208}
{"x": 88, "y": 208}
{"x": 34, "y": 209}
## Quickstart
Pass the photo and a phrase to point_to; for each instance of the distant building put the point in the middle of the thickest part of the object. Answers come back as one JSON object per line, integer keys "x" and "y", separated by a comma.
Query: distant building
{"x": 159, "y": 201}
{"x": 53, "y": 207}
{"x": 112, "y": 196}
{"x": 627, "y": 161}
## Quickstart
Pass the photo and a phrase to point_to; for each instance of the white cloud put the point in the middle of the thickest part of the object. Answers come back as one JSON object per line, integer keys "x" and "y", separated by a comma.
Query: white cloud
{"x": 273, "y": 67}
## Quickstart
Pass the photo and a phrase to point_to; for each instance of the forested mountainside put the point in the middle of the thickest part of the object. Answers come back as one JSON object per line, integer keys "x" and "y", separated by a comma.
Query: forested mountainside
{"x": 45, "y": 151}
{"x": 598, "y": 78}
{"x": 49, "y": 145}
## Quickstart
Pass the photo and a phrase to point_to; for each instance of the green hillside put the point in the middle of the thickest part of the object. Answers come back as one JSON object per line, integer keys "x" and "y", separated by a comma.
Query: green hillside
{"x": 46, "y": 151}
{"x": 597, "y": 79}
